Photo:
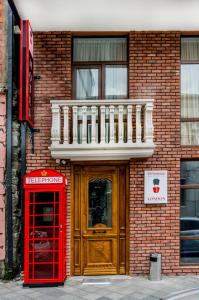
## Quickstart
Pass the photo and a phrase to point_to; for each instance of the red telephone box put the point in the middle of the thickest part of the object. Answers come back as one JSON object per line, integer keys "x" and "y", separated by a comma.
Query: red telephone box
{"x": 45, "y": 228}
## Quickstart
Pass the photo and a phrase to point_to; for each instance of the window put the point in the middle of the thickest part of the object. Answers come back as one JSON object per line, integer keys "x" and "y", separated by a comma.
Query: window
{"x": 100, "y": 68}
{"x": 190, "y": 91}
{"x": 189, "y": 220}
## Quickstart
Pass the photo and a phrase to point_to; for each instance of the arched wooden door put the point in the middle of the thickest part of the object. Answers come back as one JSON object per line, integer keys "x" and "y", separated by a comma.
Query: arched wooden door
{"x": 99, "y": 220}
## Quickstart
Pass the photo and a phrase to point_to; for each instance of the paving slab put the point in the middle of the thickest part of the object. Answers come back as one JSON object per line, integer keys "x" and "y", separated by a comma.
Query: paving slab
{"x": 120, "y": 288}
{"x": 104, "y": 298}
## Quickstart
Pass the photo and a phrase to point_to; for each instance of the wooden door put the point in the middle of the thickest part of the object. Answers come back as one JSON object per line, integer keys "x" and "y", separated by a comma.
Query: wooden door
{"x": 99, "y": 220}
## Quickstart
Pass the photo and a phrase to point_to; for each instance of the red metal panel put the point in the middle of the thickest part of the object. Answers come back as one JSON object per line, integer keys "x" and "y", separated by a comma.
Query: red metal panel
{"x": 21, "y": 74}
{"x": 26, "y": 74}
{"x": 45, "y": 230}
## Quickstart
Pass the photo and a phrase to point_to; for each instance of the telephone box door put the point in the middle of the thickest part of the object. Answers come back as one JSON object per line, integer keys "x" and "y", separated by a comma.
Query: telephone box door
{"x": 45, "y": 245}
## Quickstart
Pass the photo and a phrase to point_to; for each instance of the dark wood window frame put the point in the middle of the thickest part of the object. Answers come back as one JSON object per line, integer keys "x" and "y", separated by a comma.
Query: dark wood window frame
{"x": 101, "y": 65}
{"x": 189, "y": 62}
{"x": 190, "y": 237}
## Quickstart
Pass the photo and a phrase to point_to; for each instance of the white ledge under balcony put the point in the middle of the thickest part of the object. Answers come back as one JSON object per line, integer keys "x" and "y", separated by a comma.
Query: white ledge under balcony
{"x": 102, "y": 129}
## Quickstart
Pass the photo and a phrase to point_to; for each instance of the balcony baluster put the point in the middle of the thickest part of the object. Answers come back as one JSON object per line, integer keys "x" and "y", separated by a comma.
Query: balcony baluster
{"x": 102, "y": 130}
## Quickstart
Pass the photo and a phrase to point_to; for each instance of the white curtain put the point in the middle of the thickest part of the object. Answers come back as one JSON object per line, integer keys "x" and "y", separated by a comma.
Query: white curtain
{"x": 190, "y": 48}
{"x": 99, "y": 49}
{"x": 87, "y": 84}
{"x": 115, "y": 82}
{"x": 190, "y": 90}
{"x": 190, "y": 133}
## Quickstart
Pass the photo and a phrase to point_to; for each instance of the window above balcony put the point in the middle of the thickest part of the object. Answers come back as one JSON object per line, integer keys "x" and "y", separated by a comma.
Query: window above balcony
{"x": 190, "y": 91}
{"x": 100, "y": 68}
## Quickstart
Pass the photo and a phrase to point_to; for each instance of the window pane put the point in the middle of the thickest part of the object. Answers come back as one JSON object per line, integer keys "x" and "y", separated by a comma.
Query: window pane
{"x": 190, "y": 133}
{"x": 189, "y": 221}
{"x": 189, "y": 224}
{"x": 100, "y": 203}
{"x": 190, "y": 209}
{"x": 115, "y": 82}
{"x": 190, "y": 91}
{"x": 87, "y": 84}
{"x": 190, "y": 48}
{"x": 100, "y": 49}
{"x": 190, "y": 172}
{"x": 189, "y": 251}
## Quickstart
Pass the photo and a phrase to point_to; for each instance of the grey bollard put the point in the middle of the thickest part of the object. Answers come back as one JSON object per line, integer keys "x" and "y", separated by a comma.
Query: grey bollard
{"x": 155, "y": 267}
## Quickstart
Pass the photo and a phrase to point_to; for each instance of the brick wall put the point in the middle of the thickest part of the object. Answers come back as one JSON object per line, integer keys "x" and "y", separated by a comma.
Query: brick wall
{"x": 2, "y": 135}
{"x": 154, "y": 64}
{"x": 154, "y": 72}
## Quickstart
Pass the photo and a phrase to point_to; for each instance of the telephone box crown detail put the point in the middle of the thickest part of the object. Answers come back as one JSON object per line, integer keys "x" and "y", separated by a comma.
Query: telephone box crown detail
{"x": 44, "y": 173}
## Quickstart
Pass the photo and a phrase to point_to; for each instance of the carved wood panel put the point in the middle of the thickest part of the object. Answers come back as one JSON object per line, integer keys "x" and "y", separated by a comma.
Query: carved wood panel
{"x": 99, "y": 246}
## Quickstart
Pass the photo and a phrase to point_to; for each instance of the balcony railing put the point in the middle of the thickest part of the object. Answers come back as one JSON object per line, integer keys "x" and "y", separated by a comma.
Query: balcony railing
{"x": 102, "y": 129}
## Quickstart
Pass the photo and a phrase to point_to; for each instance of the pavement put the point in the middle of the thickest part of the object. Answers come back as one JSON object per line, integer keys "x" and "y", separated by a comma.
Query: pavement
{"x": 107, "y": 288}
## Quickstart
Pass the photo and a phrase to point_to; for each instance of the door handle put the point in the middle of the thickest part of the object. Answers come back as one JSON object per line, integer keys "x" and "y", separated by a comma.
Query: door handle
{"x": 97, "y": 231}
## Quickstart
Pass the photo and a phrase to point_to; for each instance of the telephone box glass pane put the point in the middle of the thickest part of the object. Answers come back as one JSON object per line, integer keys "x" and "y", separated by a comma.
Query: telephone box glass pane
{"x": 43, "y": 232}
{"x": 100, "y": 203}
{"x": 43, "y": 271}
{"x": 44, "y": 256}
{"x": 42, "y": 197}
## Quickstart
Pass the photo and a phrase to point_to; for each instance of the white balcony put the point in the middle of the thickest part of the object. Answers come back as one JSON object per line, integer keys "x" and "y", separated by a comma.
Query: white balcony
{"x": 102, "y": 129}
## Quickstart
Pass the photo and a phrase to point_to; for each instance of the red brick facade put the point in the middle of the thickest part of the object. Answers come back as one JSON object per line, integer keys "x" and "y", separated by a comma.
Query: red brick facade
{"x": 154, "y": 67}
{"x": 154, "y": 72}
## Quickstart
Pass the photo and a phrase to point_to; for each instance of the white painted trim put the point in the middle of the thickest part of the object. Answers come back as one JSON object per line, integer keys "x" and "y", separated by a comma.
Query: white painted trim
{"x": 116, "y": 147}
{"x": 101, "y": 153}
{"x": 101, "y": 102}
{"x": 110, "y": 15}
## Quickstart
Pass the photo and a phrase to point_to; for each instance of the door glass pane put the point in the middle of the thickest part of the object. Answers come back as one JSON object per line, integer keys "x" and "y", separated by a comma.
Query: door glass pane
{"x": 116, "y": 82}
{"x": 100, "y": 203}
{"x": 87, "y": 84}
